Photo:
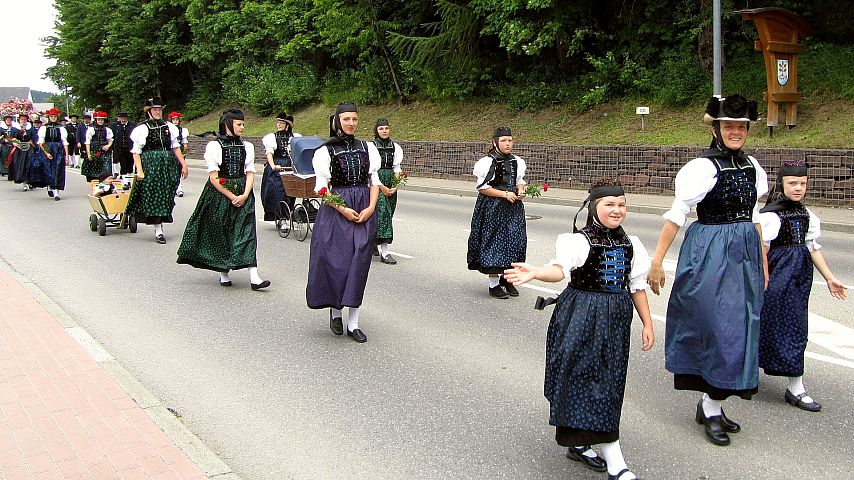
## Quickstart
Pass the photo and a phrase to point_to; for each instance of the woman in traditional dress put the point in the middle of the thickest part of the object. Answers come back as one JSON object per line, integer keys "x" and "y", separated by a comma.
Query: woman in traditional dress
{"x": 23, "y": 152}
{"x": 53, "y": 142}
{"x": 220, "y": 234}
{"x": 155, "y": 148}
{"x": 712, "y": 334}
{"x": 791, "y": 230}
{"x": 99, "y": 139}
{"x": 498, "y": 236}
{"x": 183, "y": 140}
{"x": 342, "y": 239}
{"x": 587, "y": 349}
{"x": 391, "y": 156}
{"x": 277, "y": 146}
{"x": 7, "y": 133}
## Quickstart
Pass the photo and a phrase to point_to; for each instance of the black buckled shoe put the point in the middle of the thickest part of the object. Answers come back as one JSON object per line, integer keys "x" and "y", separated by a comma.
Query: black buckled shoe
{"x": 728, "y": 425}
{"x": 508, "y": 287}
{"x": 336, "y": 324}
{"x": 797, "y": 400}
{"x": 597, "y": 464}
{"x": 712, "y": 426}
{"x": 498, "y": 292}
{"x": 259, "y": 286}
{"x": 160, "y": 239}
{"x": 388, "y": 259}
{"x": 357, "y": 335}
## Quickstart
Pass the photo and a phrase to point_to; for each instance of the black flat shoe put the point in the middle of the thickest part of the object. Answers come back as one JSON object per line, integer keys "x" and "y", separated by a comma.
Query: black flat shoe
{"x": 336, "y": 324}
{"x": 498, "y": 292}
{"x": 56, "y": 198}
{"x": 797, "y": 400}
{"x": 728, "y": 425}
{"x": 50, "y": 193}
{"x": 388, "y": 259}
{"x": 510, "y": 289}
{"x": 597, "y": 464}
{"x": 259, "y": 286}
{"x": 620, "y": 474}
{"x": 357, "y": 335}
{"x": 712, "y": 426}
{"x": 160, "y": 239}
{"x": 225, "y": 284}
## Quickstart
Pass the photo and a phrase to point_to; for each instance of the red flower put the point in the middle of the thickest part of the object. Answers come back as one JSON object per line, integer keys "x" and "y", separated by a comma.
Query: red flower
{"x": 222, "y": 181}
{"x": 322, "y": 192}
{"x": 545, "y": 187}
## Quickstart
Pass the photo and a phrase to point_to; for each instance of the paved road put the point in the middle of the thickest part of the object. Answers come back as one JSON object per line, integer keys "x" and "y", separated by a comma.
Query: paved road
{"x": 449, "y": 384}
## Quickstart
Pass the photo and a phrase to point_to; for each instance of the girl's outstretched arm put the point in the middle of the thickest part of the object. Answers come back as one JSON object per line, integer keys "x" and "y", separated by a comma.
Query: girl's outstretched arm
{"x": 837, "y": 288}
{"x": 641, "y": 303}
{"x": 524, "y": 273}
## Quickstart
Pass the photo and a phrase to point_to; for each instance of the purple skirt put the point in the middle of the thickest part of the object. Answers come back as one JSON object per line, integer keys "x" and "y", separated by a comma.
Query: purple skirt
{"x": 341, "y": 253}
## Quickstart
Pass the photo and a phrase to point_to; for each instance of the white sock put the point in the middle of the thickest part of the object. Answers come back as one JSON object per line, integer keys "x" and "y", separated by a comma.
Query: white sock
{"x": 589, "y": 453}
{"x": 493, "y": 281}
{"x": 613, "y": 456}
{"x": 353, "y": 319}
{"x": 796, "y": 387}
{"x": 711, "y": 408}
{"x": 158, "y": 229}
{"x": 253, "y": 275}
{"x": 383, "y": 249}
{"x": 336, "y": 313}
{"x": 223, "y": 277}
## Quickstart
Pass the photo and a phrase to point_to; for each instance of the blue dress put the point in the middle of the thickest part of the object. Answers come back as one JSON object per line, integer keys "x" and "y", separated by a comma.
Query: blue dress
{"x": 712, "y": 332}
{"x": 272, "y": 188}
{"x": 784, "y": 328}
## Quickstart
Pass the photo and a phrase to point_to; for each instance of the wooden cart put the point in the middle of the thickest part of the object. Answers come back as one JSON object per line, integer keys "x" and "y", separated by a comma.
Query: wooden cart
{"x": 110, "y": 209}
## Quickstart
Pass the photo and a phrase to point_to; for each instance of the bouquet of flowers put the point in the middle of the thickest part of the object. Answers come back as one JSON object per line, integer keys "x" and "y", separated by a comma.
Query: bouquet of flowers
{"x": 399, "y": 180}
{"x": 536, "y": 189}
{"x": 230, "y": 185}
{"x": 330, "y": 198}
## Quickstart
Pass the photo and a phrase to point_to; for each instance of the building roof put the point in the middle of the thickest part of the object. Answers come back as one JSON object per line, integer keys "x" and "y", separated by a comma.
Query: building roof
{"x": 8, "y": 93}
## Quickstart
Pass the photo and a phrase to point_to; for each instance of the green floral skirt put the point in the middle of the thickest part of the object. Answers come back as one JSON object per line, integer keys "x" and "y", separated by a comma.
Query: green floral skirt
{"x": 385, "y": 208}
{"x": 96, "y": 165}
{"x": 153, "y": 199}
{"x": 220, "y": 236}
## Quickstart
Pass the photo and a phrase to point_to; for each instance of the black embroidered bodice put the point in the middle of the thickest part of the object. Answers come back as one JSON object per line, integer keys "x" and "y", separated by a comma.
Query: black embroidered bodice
{"x": 233, "y": 157}
{"x": 733, "y": 197}
{"x": 99, "y": 138}
{"x": 502, "y": 173}
{"x": 349, "y": 163}
{"x": 608, "y": 264}
{"x": 794, "y": 224}
{"x": 51, "y": 133}
{"x": 23, "y": 135}
{"x": 283, "y": 140}
{"x": 121, "y": 133}
{"x": 159, "y": 137}
{"x": 386, "y": 149}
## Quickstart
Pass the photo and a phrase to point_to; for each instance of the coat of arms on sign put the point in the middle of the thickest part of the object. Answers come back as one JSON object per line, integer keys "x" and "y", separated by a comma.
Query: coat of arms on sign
{"x": 782, "y": 72}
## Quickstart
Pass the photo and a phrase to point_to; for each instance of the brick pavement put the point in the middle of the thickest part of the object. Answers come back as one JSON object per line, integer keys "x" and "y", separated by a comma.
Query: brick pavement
{"x": 61, "y": 414}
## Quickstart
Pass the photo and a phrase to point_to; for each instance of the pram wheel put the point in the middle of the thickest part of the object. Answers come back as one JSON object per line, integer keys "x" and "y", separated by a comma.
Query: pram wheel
{"x": 299, "y": 222}
{"x": 132, "y": 224}
{"x": 102, "y": 227}
{"x": 283, "y": 219}
{"x": 93, "y": 222}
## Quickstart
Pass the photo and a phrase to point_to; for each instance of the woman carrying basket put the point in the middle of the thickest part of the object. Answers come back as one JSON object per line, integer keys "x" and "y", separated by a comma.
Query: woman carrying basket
{"x": 345, "y": 227}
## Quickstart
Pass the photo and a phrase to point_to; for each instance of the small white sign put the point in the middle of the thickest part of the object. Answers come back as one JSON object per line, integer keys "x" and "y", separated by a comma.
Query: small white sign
{"x": 642, "y": 111}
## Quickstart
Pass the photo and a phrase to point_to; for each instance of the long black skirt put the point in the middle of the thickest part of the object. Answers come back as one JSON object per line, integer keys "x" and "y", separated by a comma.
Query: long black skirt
{"x": 498, "y": 236}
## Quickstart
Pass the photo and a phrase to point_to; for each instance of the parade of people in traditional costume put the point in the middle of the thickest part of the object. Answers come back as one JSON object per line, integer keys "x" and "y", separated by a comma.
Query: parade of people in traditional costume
{"x": 184, "y": 141}
{"x": 97, "y": 145}
{"x": 343, "y": 237}
{"x": 220, "y": 234}
{"x": 74, "y": 149}
{"x": 587, "y": 347}
{"x": 391, "y": 157}
{"x": 122, "y": 144}
{"x": 712, "y": 332}
{"x": 791, "y": 232}
{"x": 155, "y": 150}
{"x": 49, "y": 164}
{"x": 498, "y": 234}
{"x": 277, "y": 148}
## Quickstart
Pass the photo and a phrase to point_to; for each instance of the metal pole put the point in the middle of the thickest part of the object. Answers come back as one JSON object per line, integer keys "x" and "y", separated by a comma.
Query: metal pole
{"x": 716, "y": 48}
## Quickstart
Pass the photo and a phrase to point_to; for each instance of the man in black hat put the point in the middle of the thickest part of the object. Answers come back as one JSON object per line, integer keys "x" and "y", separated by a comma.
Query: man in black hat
{"x": 73, "y": 146}
{"x": 121, "y": 143}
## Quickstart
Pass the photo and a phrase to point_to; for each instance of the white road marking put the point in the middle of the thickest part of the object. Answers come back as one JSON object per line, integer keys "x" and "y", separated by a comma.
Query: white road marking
{"x": 825, "y": 284}
{"x": 825, "y": 358}
{"x": 400, "y": 254}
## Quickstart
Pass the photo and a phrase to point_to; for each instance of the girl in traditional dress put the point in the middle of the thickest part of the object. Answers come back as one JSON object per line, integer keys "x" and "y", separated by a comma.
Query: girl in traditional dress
{"x": 155, "y": 148}
{"x": 53, "y": 142}
{"x": 98, "y": 141}
{"x": 587, "y": 349}
{"x": 277, "y": 146}
{"x": 391, "y": 156}
{"x": 220, "y": 234}
{"x": 183, "y": 140}
{"x": 22, "y": 154}
{"x": 343, "y": 235}
{"x": 498, "y": 237}
{"x": 791, "y": 231}
{"x": 712, "y": 333}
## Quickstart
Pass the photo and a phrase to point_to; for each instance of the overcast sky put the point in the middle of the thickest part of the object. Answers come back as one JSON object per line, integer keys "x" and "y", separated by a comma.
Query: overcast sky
{"x": 25, "y": 64}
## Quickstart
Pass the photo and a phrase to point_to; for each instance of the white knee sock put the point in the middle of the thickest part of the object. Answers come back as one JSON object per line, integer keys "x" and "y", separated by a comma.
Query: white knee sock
{"x": 613, "y": 456}
{"x": 796, "y": 386}
{"x": 253, "y": 275}
{"x": 336, "y": 313}
{"x": 158, "y": 229}
{"x": 223, "y": 277}
{"x": 493, "y": 281}
{"x": 383, "y": 249}
{"x": 711, "y": 407}
{"x": 589, "y": 453}
{"x": 353, "y": 319}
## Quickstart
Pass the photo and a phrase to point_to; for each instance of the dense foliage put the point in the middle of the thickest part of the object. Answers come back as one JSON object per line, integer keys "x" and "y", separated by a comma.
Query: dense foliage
{"x": 529, "y": 54}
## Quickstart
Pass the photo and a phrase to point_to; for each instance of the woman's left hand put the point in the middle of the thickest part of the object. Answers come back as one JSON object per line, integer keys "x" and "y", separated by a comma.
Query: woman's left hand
{"x": 648, "y": 338}
{"x": 184, "y": 171}
{"x": 837, "y": 288}
{"x": 365, "y": 215}
{"x": 239, "y": 200}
